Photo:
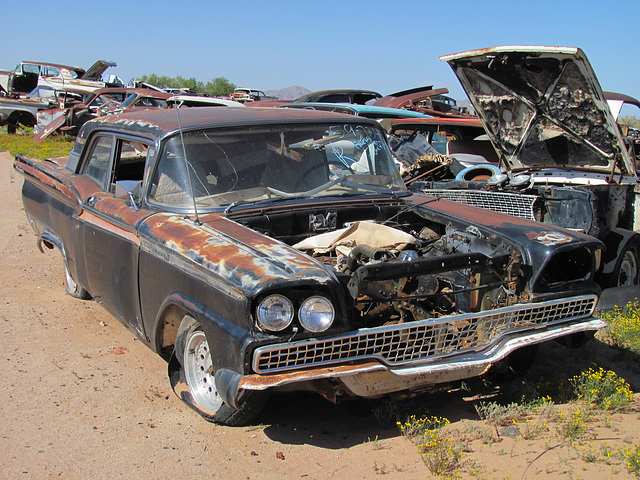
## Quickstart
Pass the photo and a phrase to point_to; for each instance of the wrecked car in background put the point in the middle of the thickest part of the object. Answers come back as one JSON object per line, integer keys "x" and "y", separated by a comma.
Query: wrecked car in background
{"x": 257, "y": 249}
{"x": 181, "y": 101}
{"x": 382, "y": 114}
{"x": 442, "y": 148}
{"x": 110, "y": 101}
{"x": 29, "y": 75}
{"x": 248, "y": 95}
{"x": 24, "y": 110}
{"x": 625, "y": 109}
{"x": 69, "y": 118}
{"x": 562, "y": 156}
{"x": 426, "y": 100}
{"x": 354, "y": 96}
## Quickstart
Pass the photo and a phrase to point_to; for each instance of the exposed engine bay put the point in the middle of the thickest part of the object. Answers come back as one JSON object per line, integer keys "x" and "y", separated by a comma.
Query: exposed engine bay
{"x": 398, "y": 266}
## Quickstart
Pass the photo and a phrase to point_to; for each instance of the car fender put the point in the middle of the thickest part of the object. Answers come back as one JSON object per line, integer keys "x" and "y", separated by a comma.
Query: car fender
{"x": 615, "y": 242}
{"x": 226, "y": 339}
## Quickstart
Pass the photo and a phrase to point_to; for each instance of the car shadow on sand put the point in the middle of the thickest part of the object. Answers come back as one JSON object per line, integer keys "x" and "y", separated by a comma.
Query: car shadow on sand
{"x": 305, "y": 418}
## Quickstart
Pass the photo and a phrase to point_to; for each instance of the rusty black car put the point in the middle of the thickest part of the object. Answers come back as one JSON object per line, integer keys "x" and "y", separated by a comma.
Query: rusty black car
{"x": 262, "y": 249}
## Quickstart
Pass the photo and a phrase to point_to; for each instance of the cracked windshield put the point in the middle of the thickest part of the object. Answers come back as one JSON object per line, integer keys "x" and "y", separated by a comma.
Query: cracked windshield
{"x": 226, "y": 167}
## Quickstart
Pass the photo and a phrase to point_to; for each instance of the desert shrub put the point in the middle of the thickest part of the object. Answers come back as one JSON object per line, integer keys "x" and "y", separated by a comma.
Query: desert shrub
{"x": 441, "y": 454}
{"x": 22, "y": 144}
{"x": 623, "y": 326}
{"x": 602, "y": 389}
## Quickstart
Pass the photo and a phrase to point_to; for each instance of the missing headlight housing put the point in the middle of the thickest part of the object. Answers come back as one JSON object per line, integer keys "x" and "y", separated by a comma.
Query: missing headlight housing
{"x": 567, "y": 266}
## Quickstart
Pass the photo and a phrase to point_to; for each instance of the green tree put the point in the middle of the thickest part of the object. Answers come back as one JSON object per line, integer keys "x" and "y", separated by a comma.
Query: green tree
{"x": 630, "y": 120}
{"x": 218, "y": 86}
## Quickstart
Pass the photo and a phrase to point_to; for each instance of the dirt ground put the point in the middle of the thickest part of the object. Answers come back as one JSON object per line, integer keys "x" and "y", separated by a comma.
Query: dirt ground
{"x": 81, "y": 398}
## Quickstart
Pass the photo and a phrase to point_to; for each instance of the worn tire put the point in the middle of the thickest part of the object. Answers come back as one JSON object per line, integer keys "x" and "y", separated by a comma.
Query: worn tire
{"x": 73, "y": 288}
{"x": 627, "y": 269}
{"x": 196, "y": 370}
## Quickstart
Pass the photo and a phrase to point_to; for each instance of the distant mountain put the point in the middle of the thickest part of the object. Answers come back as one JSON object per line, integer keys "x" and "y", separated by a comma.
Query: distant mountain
{"x": 290, "y": 93}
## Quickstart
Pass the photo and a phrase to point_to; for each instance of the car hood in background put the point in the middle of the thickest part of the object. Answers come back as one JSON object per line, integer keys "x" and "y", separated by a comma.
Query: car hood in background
{"x": 542, "y": 107}
{"x": 97, "y": 69}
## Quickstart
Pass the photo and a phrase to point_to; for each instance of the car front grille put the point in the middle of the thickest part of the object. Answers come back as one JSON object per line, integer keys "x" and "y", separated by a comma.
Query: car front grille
{"x": 516, "y": 204}
{"x": 402, "y": 344}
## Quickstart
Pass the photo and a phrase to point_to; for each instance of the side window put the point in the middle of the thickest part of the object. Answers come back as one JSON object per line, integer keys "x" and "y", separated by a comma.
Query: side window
{"x": 130, "y": 161}
{"x": 96, "y": 166}
{"x": 50, "y": 72}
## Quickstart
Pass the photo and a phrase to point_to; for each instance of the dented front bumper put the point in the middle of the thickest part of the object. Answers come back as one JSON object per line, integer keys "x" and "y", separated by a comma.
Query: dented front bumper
{"x": 399, "y": 357}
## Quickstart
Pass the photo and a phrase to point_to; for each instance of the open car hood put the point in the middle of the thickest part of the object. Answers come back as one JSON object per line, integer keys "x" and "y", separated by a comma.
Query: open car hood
{"x": 97, "y": 69}
{"x": 542, "y": 108}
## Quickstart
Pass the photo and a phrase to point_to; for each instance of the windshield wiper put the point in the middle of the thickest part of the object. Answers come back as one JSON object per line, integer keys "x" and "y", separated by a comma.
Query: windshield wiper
{"x": 264, "y": 201}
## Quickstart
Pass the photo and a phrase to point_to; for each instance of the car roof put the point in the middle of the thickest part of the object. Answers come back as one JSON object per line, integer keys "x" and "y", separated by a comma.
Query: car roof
{"x": 345, "y": 91}
{"x": 369, "y": 111}
{"x": 454, "y": 121}
{"x": 157, "y": 123}
{"x": 56, "y": 65}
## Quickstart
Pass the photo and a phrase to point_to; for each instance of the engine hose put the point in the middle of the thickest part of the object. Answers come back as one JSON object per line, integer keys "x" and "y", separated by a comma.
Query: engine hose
{"x": 366, "y": 251}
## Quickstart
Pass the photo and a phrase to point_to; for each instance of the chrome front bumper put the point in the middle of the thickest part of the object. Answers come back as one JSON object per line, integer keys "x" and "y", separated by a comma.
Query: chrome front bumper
{"x": 425, "y": 352}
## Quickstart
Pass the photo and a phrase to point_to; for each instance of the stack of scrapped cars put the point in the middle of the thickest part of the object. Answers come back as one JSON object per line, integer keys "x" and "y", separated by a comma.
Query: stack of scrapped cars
{"x": 35, "y": 86}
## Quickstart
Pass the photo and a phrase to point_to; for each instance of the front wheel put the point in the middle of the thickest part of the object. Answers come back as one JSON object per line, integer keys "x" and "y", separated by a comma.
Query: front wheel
{"x": 626, "y": 271}
{"x": 197, "y": 371}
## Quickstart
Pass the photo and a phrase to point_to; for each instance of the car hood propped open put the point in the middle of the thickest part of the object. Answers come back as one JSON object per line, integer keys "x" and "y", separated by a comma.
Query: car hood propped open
{"x": 542, "y": 107}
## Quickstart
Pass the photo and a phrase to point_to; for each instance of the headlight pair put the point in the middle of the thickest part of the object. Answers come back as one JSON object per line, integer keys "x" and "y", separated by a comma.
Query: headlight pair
{"x": 276, "y": 312}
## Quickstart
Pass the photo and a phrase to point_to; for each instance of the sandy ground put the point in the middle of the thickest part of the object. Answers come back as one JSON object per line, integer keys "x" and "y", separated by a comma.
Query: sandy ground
{"x": 81, "y": 398}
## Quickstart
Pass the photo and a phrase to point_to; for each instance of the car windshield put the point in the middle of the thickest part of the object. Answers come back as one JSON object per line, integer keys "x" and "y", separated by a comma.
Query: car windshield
{"x": 262, "y": 163}
{"x": 127, "y": 101}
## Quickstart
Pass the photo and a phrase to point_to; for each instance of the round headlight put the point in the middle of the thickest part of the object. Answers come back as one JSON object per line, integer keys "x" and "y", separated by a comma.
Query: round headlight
{"x": 275, "y": 313}
{"x": 316, "y": 314}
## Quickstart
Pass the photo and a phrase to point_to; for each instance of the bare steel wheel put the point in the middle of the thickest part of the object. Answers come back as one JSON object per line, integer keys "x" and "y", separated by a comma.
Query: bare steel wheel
{"x": 628, "y": 271}
{"x": 199, "y": 374}
{"x": 195, "y": 371}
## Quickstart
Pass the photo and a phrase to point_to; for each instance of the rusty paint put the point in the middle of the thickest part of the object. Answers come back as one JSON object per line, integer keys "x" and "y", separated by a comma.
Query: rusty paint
{"x": 37, "y": 170}
{"x": 404, "y": 100}
{"x": 262, "y": 382}
{"x": 232, "y": 250}
{"x": 104, "y": 225}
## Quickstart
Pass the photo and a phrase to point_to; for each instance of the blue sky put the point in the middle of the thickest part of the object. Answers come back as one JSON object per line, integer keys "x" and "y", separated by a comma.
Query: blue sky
{"x": 378, "y": 45}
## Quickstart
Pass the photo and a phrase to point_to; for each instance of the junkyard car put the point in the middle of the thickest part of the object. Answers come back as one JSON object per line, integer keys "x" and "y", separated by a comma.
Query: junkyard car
{"x": 357, "y": 97}
{"x": 563, "y": 158}
{"x": 28, "y": 75}
{"x": 442, "y": 148}
{"x": 248, "y": 95}
{"x": 427, "y": 100}
{"x": 257, "y": 249}
{"x": 69, "y": 118}
{"x": 381, "y": 114}
{"x": 24, "y": 110}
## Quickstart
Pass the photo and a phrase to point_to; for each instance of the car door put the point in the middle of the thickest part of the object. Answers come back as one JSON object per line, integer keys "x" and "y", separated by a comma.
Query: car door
{"x": 109, "y": 235}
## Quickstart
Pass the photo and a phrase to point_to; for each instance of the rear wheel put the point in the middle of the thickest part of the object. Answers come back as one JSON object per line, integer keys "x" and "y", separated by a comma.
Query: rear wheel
{"x": 195, "y": 357}
{"x": 626, "y": 271}
{"x": 72, "y": 287}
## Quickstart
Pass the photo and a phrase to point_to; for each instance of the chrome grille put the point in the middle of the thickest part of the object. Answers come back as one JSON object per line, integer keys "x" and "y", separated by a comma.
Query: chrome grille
{"x": 515, "y": 204}
{"x": 423, "y": 340}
